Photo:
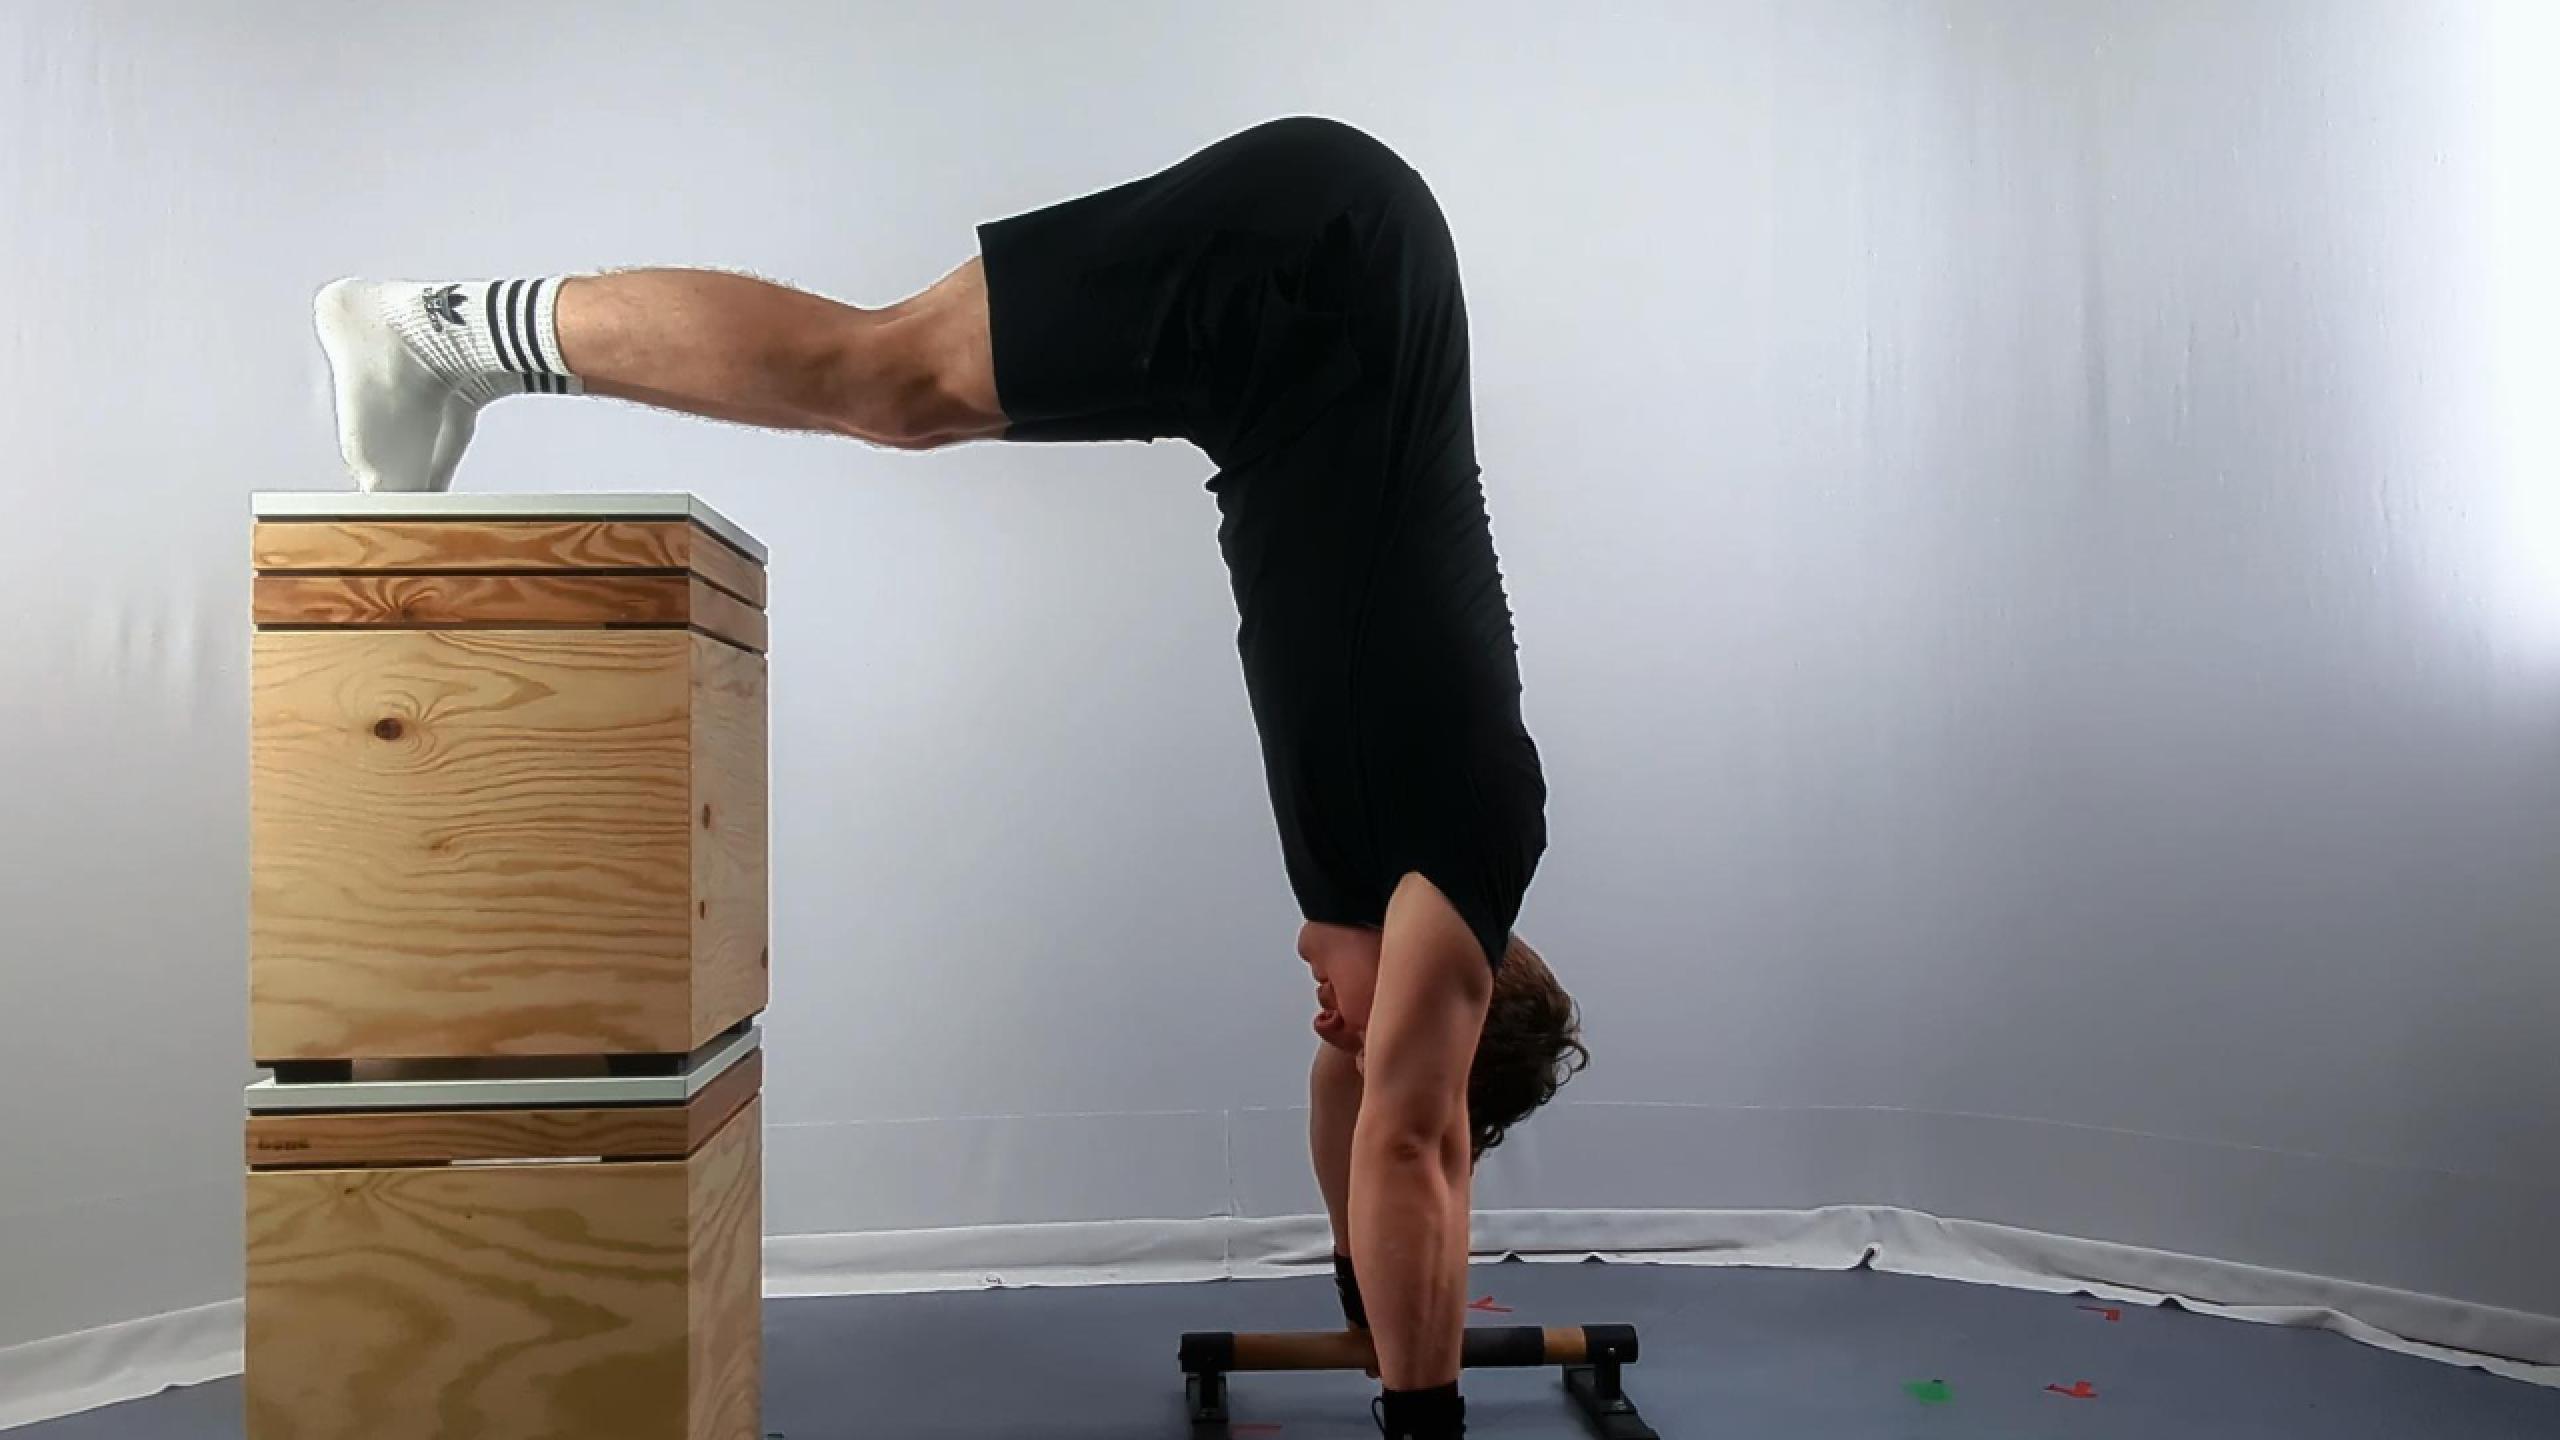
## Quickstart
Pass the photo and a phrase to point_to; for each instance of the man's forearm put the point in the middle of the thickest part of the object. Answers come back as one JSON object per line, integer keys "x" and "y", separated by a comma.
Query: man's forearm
{"x": 1409, "y": 1236}
{"x": 1410, "y": 1157}
{"x": 1333, "y": 1113}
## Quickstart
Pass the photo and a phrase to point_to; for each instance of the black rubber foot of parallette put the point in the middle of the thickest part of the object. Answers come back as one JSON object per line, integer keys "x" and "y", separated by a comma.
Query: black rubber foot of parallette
{"x": 1612, "y": 1417}
{"x": 1205, "y": 1396}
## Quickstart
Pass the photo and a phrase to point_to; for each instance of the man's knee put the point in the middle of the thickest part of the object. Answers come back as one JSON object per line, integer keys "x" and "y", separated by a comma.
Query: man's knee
{"x": 858, "y": 381}
{"x": 905, "y": 383}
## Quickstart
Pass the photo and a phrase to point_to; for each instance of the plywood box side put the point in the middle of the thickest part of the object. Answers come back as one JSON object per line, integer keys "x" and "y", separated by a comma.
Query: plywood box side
{"x": 714, "y": 560}
{"x": 727, "y": 1282}
{"x": 730, "y": 819}
{"x": 501, "y": 1303}
{"x": 500, "y": 546}
{"x": 487, "y": 546}
{"x": 469, "y": 843}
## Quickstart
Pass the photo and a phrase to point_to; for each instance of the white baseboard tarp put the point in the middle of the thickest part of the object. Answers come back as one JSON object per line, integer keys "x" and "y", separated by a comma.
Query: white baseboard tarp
{"x": 69, "y": 1373}
{"x": 2505, "y": 1342}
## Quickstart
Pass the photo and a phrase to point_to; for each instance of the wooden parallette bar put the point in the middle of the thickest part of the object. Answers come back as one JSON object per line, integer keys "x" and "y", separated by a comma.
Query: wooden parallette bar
{"x": 1488, "y": 1347}
{"x": 1592, "y": 1357}
{"x": 355, "y": 1139}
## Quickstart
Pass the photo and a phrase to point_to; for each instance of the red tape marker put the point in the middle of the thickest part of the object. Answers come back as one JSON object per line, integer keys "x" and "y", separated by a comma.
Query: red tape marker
{"x": 2112, "y": 1313}
{"x": 2082, "y": 1391}
{"x": 1487, "y": 1307}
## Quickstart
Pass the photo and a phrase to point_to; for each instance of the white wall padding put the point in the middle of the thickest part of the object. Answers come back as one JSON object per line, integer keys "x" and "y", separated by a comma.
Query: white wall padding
{"x": 124, "y": 1361}
{"x": 57, "y": 1377}
{"x": 1904, "y": 1242}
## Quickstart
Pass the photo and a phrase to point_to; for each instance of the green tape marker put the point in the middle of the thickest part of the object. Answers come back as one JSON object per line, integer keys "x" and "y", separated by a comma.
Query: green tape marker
{"x": 1930, "y": 1392}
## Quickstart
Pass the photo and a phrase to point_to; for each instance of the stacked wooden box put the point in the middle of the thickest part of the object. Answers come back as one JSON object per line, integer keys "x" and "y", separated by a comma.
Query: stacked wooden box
{"x": 507, "y": 944}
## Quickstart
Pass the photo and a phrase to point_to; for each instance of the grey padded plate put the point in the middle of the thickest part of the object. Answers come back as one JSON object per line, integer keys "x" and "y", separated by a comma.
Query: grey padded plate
{"x": 268, "y": 1097}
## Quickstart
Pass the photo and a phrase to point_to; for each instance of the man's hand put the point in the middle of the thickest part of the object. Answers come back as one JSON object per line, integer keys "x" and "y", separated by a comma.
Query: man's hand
{"x": 1410, "y": 1160}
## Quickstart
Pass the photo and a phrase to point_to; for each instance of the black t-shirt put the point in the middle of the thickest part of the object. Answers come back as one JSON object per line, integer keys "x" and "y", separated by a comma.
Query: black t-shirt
{"x": 1289, "y": 301}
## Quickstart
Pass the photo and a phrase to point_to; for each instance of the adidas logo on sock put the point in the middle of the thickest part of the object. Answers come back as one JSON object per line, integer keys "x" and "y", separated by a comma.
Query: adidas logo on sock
{"x": 444, "y": 305}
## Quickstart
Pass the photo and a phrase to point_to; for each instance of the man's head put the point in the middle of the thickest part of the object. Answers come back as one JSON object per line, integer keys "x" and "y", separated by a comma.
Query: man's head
{"x": 1532, "y": 1041}
{"x": 1532, "y": 1044}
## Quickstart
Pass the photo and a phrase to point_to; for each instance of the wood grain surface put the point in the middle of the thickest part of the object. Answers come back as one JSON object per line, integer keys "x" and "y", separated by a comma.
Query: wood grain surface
{"x": 505, "y": 601}
{"x": 501, "y": 546}
{"x": 731, "y": 920}
{"x": 535, "y": 1302}
{"x": 715, "y": 611}
{"x": 710, "y": 557}
{"x": 726, "y": 1282}
{"x": 427, "y": 1137}
{"x": 471, "y": 843}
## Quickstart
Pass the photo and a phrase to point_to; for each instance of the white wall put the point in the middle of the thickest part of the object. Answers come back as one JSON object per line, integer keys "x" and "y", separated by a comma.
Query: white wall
{"x": 2029, "y": 523}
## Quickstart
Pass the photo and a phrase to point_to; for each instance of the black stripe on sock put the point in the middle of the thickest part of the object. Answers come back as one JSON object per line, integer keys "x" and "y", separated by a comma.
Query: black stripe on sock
{"x": 497, "y": 331}
{"x": 516, "y": 327}
{"x": 520, "y": 300}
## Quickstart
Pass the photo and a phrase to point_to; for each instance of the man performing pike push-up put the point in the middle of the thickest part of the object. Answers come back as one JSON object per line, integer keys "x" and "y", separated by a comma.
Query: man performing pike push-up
{"x": 1288, "y": 301}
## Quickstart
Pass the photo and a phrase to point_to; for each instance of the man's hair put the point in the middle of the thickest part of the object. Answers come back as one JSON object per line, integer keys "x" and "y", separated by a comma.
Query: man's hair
{"x": 1532, "y": 1044}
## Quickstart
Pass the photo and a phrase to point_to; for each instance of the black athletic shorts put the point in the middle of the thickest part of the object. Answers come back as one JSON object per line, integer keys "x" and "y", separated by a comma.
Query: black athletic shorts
{"x": 1288, "y": 301}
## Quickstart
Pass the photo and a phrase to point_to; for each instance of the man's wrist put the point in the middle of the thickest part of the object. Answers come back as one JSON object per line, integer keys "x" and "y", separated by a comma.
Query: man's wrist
{"x": 1346, "y": 1283}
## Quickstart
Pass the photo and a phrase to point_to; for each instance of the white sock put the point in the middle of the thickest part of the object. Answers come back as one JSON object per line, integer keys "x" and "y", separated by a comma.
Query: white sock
{"x": 415, "y": 362}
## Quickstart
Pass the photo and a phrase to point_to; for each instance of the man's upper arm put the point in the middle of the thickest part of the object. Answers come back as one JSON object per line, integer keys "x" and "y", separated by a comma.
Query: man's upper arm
{"x": 1433, "y": 987}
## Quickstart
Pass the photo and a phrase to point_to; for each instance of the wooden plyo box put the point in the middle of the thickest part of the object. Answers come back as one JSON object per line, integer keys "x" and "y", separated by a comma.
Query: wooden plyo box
{"x": 507, "y": 784}
{"x": 552, "y": 1272}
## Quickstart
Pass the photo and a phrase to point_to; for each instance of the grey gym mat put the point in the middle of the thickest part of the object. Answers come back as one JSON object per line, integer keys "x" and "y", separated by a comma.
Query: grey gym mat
{"x": 1729, "y": 1355}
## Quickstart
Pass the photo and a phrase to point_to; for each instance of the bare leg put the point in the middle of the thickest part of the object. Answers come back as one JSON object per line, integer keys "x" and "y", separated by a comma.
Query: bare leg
{"x": 915, "y": 375}
{"x": 414, "y": 362}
